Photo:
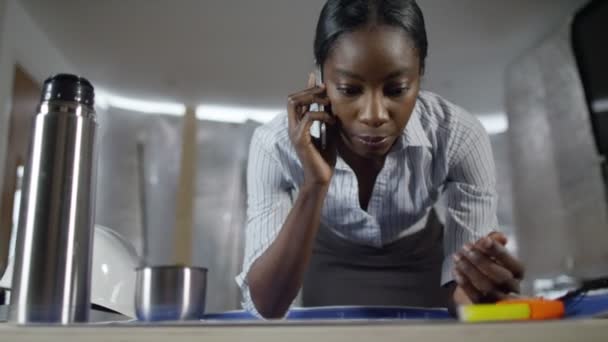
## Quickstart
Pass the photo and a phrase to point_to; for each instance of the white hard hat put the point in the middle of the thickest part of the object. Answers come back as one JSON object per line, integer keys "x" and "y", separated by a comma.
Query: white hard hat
{"x": 113, "y": 272}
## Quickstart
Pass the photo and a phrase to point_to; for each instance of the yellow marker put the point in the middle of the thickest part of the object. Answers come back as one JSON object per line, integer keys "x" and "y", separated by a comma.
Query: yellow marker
{"x": 493, "y": 312}
{"x": 513, "y": 310}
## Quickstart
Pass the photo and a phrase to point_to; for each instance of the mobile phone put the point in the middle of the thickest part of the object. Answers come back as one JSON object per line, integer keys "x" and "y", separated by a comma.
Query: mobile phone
{"x": 321, "y": 108}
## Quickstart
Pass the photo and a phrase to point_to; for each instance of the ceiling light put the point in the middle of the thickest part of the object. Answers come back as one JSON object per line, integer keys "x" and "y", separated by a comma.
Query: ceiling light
{"x": 235, "y": 114}
{"x": 494, "y": 123}
{"x": 600, "y": 106}
{"x": 105, "y": 99}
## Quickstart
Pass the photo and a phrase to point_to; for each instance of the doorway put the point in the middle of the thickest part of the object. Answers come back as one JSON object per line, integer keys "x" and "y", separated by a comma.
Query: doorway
{"x": 25, "y": 97}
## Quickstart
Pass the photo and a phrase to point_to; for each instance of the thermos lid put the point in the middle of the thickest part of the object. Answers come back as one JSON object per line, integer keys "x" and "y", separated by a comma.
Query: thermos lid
{"x": 67, "y": 87}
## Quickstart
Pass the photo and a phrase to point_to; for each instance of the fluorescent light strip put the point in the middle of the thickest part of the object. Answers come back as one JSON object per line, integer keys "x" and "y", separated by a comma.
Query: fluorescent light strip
{"x": 106, "y": 100}
{"x": 600, "y": 106}
{"x": 235, "y": 114}
{"x": 494, "y": 123}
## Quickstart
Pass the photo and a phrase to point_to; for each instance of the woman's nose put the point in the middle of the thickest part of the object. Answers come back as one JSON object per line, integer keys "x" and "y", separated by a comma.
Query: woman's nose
{"x": 375, "y": 113}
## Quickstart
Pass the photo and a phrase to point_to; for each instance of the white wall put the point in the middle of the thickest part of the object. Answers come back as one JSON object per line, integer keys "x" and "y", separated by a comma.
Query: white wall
{"x": 22, "y": 42}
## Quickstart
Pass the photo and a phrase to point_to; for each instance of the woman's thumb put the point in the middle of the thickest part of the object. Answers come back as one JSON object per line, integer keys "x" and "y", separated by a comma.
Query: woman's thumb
{"x": 499, "y": 237}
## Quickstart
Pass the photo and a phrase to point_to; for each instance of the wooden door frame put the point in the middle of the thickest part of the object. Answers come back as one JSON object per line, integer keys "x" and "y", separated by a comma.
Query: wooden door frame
{"x": 25, "y": 94}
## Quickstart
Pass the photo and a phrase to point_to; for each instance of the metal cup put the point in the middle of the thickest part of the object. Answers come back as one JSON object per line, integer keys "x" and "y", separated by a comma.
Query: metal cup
{"x": 170, "y": 293}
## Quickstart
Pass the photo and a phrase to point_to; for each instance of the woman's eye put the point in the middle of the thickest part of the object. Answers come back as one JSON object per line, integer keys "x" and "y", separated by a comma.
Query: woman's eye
{"x": 349, "y": 91}
{"x": 396, "y": 91}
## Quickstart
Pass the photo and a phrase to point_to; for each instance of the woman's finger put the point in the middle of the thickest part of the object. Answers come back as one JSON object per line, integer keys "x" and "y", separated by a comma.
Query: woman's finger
{"x": 312, "y": 79}
{"x": 308, "y": 97}
{"x": 503, "y": 256}
{"x": 511, "y": 286}
{"x": 498, "y": 274}
{"x": 309, "y": 118}
{"x": 310, "y": 84}
{"x": 468, "y": 288}
{"x": 298, "y": 104}
{"x": 499, "y": 237}
{"x": 474, "y": 293}
{"x": 477, "y": 279}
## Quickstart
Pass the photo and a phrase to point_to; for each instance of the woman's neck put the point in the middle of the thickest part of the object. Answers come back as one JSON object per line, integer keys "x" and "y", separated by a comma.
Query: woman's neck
{"x": 366, "y": 171}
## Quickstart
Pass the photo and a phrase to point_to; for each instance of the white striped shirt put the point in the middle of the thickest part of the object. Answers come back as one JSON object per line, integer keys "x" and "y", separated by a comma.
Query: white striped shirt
{"x": 444, "y": 152}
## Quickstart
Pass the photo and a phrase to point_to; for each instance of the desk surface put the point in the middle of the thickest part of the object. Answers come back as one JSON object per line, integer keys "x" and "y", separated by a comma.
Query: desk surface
{"x": 570, "y": 330}
{"x": 320, "y": 325}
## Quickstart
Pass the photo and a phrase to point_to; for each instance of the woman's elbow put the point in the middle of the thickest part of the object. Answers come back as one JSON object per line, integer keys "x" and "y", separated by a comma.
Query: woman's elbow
{"x": 266, "y": 304}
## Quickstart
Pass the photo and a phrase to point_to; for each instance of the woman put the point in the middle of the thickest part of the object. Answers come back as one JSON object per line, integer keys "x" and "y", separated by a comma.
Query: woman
{"x": 353, "y": 223}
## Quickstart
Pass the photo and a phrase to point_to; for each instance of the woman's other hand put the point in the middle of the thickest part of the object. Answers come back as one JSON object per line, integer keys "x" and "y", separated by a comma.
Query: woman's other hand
{"x": 486, "y": 271}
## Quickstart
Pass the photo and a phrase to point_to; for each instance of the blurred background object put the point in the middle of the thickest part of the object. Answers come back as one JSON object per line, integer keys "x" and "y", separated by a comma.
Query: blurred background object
{"x": 557, "y": 141}
{"x": 113, "y": 275}
{"x": 240, "y": 59}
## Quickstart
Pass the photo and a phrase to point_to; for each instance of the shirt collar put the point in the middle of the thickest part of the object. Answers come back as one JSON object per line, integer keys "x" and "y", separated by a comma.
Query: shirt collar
{"x": 413, "y": 134}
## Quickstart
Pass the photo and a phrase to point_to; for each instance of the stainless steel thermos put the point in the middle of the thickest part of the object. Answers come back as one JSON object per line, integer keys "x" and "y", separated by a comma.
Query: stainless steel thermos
{"x": 52, "y": 278}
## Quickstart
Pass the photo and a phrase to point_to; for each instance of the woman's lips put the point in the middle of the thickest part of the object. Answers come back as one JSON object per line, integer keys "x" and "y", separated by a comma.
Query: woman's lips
{"x": 373, "y": 141}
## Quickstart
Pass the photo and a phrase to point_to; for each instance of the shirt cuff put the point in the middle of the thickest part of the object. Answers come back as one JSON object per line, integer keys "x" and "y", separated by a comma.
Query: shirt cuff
{"x": 446, "y": 270}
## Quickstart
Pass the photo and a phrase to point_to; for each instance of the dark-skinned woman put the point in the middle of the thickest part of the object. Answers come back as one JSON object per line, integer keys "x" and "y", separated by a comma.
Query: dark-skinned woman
{"x": 354, "y": 223}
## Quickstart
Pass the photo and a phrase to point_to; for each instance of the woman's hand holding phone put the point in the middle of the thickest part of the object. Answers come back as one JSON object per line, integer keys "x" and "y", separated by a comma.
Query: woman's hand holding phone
{"x": 318, "y": 163}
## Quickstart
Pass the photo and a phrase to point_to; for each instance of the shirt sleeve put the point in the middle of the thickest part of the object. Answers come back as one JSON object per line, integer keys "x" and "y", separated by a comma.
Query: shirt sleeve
{"x": 268, "y": 204}
{"x": 471, "y": 194}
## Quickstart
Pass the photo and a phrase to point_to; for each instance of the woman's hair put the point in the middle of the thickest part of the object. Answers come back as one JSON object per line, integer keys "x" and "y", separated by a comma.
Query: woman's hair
{"x": 344, "y": 16}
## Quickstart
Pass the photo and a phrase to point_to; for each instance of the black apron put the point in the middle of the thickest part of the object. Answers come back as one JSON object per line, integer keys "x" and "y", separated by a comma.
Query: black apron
{"x": 404, "y": 273}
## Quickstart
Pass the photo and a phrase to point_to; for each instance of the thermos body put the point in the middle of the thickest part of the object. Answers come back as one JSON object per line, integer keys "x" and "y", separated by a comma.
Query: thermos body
{"x": 52, "y": 278}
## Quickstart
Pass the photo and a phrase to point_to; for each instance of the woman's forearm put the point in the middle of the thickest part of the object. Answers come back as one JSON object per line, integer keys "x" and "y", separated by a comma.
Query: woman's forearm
{"x": 276, "y": 276}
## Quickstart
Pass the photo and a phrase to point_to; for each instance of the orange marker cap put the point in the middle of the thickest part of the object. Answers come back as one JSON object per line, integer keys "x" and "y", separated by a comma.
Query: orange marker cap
{"x": 541, "y": 309}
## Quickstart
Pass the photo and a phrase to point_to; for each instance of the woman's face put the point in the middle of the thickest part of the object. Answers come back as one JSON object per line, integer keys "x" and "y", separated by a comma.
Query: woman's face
{"x": 372, "y": 77}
